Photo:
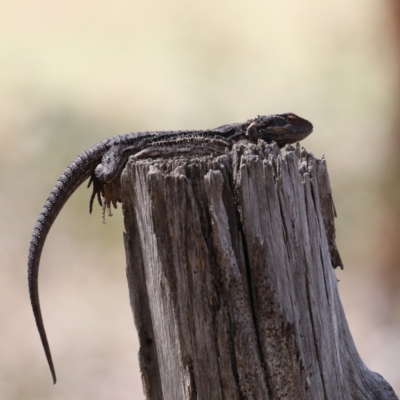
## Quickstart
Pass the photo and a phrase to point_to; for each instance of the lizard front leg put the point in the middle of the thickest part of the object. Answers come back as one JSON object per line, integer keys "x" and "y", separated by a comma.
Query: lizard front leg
{"x": 104, "y": 177}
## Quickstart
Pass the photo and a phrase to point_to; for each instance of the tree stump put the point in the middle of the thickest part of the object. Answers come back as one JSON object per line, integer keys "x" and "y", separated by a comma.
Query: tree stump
{"x": 230, "y": 270}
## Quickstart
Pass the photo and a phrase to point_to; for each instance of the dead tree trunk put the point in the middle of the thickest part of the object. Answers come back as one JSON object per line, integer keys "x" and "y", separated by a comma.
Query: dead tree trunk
{"x": 229, "y": 264}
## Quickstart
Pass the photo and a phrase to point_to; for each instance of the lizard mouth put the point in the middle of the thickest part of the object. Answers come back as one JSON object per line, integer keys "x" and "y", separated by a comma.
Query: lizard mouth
{"x": 282, "y": 135}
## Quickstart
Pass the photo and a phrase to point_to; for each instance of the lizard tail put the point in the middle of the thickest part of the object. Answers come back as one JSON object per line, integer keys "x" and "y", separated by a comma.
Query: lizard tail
{"x": 73, "y": 176}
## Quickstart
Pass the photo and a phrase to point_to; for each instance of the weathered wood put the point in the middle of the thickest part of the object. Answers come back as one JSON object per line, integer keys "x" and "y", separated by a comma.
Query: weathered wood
{"x": 229, "y": 263}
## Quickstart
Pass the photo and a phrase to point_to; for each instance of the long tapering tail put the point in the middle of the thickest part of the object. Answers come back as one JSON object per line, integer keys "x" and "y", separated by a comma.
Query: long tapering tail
{"x": 73, "y": 176}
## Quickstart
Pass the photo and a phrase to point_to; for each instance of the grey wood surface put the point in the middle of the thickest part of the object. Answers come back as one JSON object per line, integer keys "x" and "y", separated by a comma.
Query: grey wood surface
{"x": 230, "y": 270}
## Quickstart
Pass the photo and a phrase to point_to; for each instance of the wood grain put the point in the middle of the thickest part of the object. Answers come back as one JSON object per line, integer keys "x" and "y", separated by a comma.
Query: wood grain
{"x": 230, "y": 270}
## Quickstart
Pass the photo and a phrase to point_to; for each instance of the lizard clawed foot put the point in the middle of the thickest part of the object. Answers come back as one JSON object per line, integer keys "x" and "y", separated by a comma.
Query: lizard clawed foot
{"x": 105, "y": 196}
{"x": 252, "y": 133}
{"x": 98, "y": 190}
{"x": 108, "y": 198}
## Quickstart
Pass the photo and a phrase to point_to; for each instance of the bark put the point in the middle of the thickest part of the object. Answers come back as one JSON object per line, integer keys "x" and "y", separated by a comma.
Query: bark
{"x": 229, "y": 264}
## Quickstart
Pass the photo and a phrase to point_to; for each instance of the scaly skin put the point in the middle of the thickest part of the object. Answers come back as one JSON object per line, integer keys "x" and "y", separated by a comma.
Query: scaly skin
{"x": 104, "y": 162}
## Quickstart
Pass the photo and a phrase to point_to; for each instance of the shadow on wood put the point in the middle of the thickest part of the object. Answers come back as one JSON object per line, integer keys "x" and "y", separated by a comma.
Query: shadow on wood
{"x": 229, "y": 264}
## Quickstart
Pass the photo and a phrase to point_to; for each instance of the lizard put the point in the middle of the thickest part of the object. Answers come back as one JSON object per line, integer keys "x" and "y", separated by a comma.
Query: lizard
{"x": 104, "y": 162}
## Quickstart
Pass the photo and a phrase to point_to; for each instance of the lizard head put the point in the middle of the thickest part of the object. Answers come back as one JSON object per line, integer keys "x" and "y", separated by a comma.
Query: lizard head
{"x": 282, "y": 128}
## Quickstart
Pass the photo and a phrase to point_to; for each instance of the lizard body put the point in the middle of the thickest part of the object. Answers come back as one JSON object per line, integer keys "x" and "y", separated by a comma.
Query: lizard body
{"x": 104, "y": 162}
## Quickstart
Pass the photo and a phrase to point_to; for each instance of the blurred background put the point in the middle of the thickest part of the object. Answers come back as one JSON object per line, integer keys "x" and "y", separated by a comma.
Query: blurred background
{"x": 73, "y": 73}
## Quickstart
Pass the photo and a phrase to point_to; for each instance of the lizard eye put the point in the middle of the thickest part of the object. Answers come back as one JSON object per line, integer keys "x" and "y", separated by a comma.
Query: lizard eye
{"x": 292, "y": 117}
